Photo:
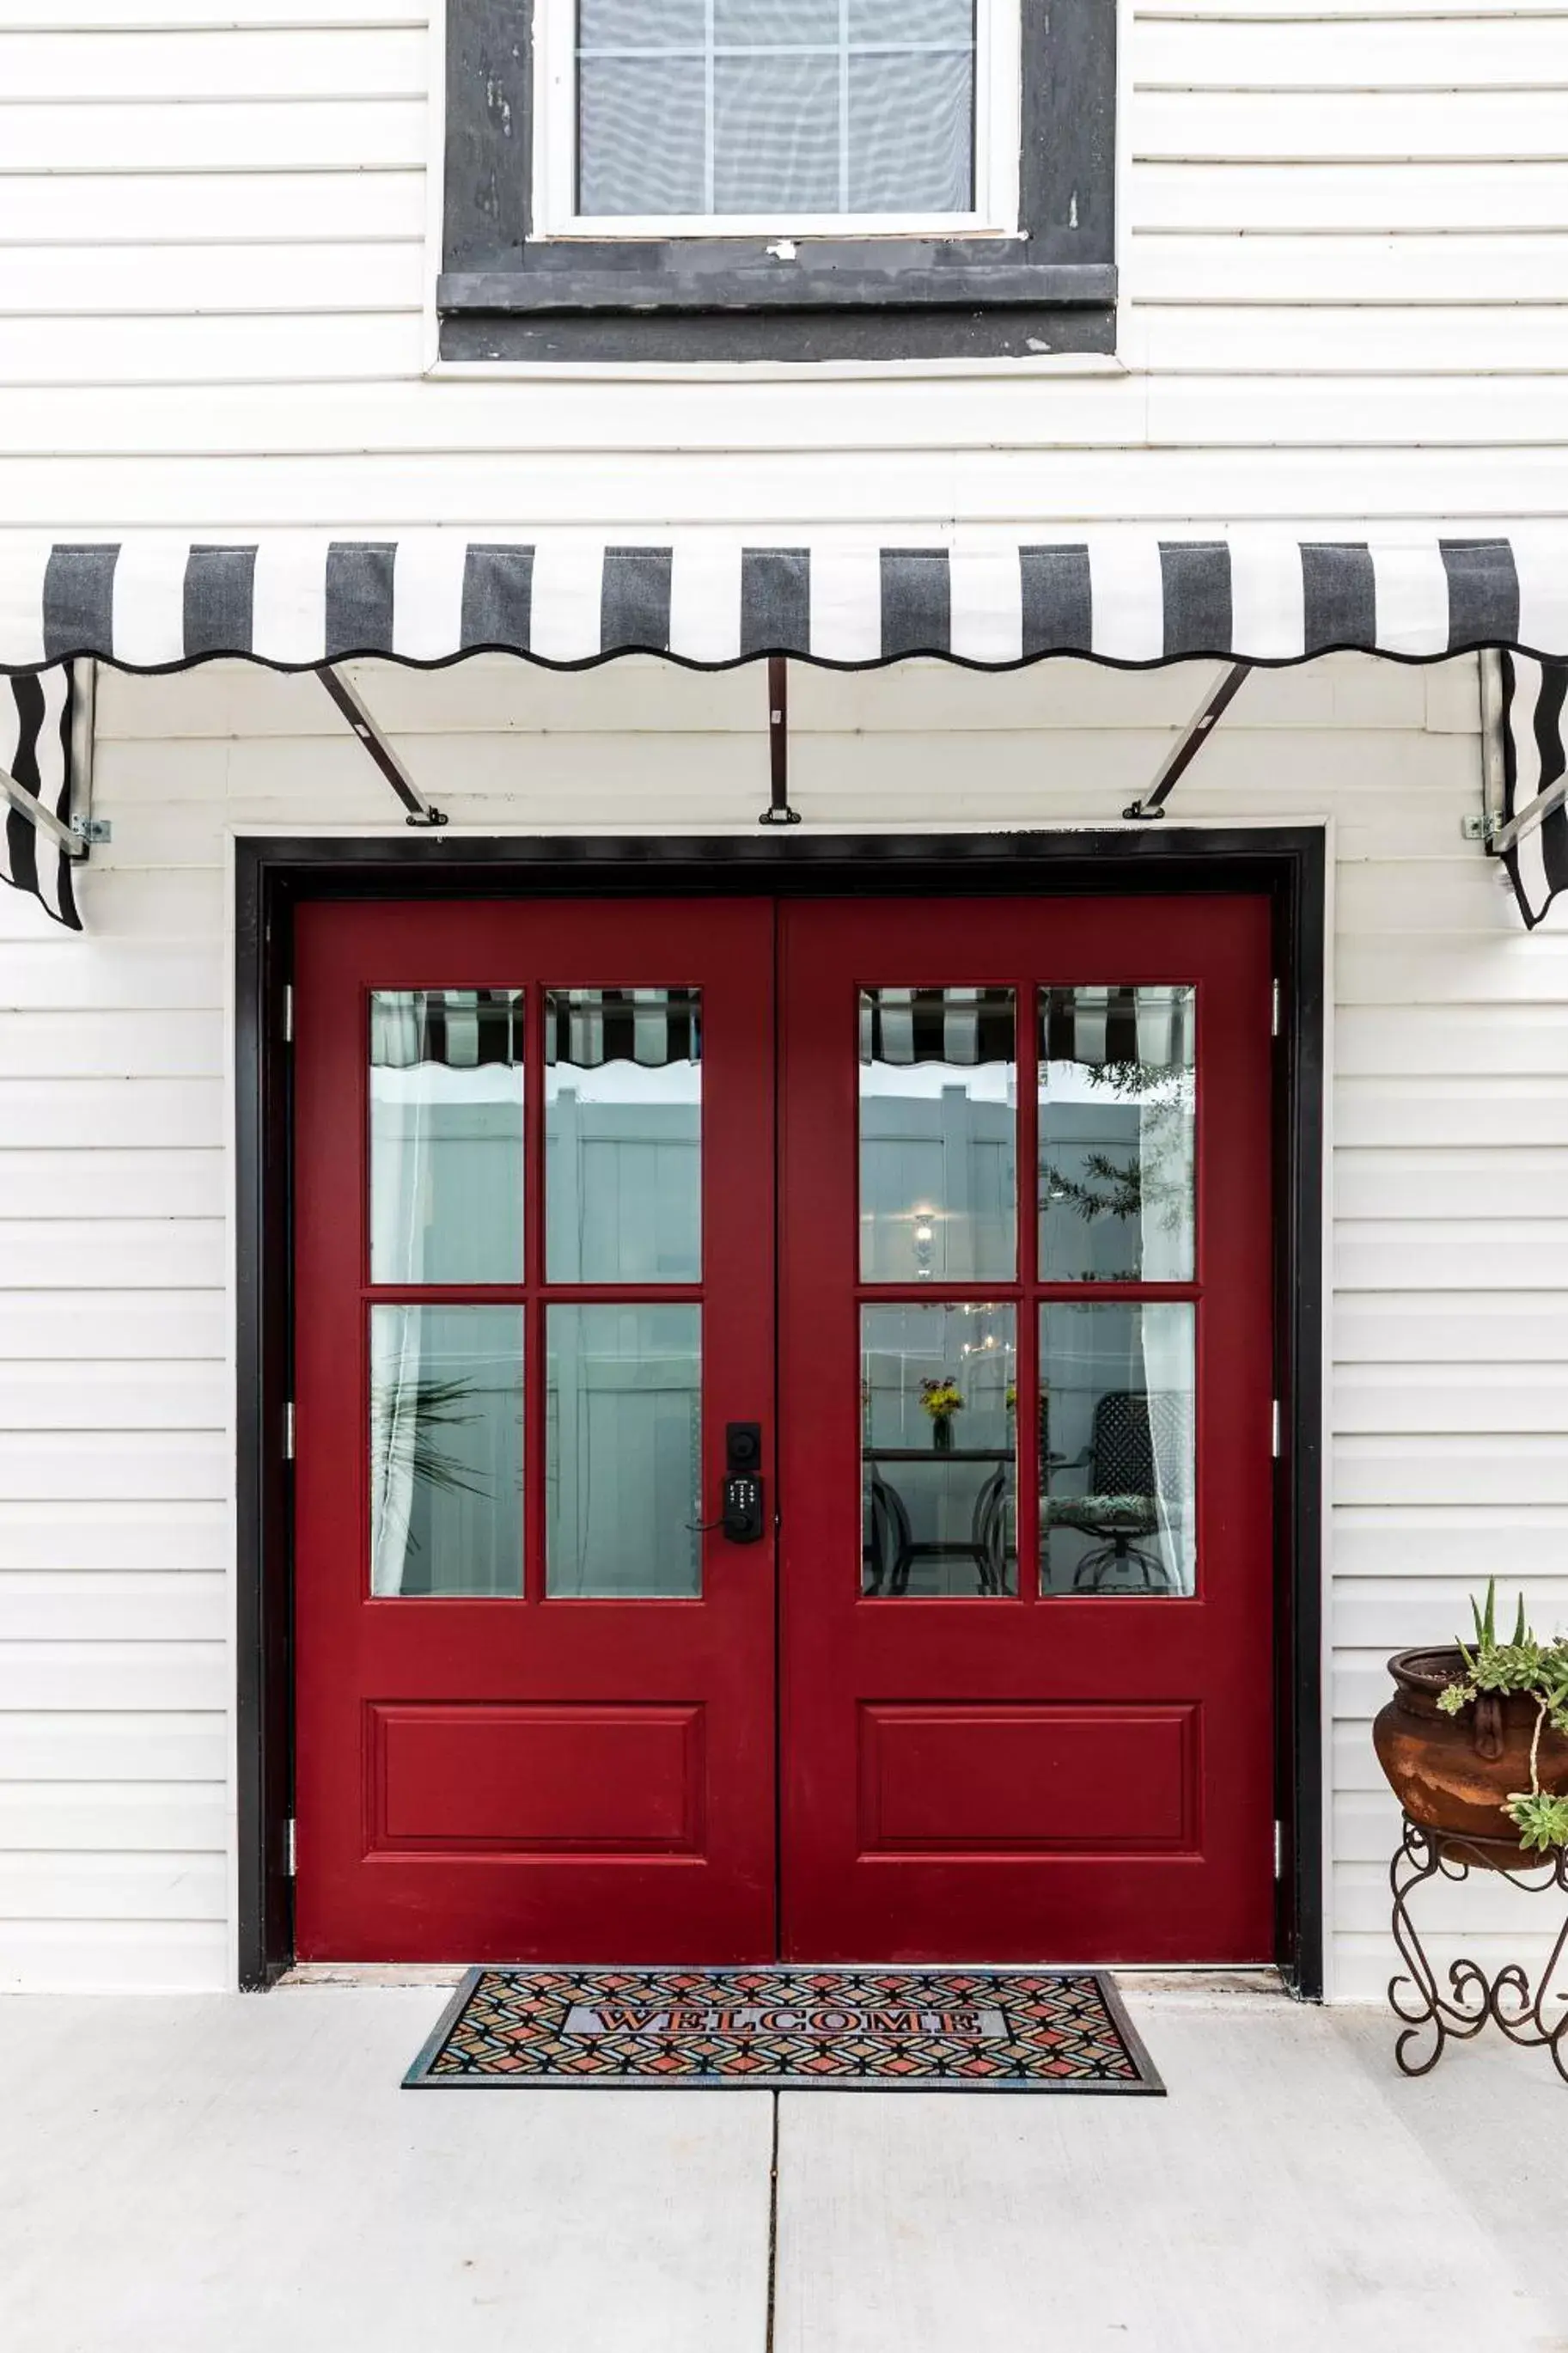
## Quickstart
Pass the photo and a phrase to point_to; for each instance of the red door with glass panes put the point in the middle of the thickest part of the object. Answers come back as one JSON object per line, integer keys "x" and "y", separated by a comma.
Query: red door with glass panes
{"x": 1025, "y": 1382}
{"x": 1011, "y": 1396}
{"x": 533, "y": 1699}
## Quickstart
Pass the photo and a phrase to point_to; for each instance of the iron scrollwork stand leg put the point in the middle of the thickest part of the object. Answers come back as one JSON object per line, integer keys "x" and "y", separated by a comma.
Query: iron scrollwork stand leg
{"x": 1472, "y": 1997}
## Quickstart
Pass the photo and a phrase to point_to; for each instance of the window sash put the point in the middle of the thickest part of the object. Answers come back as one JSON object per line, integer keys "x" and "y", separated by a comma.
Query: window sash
{"x": 998, "y": 73}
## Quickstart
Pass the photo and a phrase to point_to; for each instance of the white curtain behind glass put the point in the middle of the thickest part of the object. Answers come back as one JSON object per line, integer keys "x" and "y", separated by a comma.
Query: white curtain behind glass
{"x": 400, "y": 1116}
{"x": 1165, "y": 1023}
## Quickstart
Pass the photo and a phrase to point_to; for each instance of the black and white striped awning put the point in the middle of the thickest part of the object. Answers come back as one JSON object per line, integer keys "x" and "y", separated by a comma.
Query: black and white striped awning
{"x": 35, "y": 764}
{"x": 299, "y": 600}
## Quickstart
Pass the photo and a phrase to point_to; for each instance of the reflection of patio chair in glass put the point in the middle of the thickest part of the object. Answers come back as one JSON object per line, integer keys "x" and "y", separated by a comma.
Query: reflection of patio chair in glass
{"x": 1122, "y": 1506}
{"x": 891, "y": 1549}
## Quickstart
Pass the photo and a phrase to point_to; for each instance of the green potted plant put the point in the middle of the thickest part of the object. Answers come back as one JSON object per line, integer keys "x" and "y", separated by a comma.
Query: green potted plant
{"x": 1475, "y": 1741}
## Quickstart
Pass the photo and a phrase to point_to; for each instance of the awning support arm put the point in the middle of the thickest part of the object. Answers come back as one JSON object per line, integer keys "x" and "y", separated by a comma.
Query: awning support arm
{"x": 1502, "y": 838}
{"x": 420, "y": 810}
{"x": 75, "y": 838}
{"x": 778, "y": 810}
{"x": 1190, "y": 743}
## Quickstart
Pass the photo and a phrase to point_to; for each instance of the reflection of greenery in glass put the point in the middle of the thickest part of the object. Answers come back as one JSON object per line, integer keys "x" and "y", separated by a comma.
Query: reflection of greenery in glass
{"x": 1155, "y": 1182}
{"x": 406, "y": 1418}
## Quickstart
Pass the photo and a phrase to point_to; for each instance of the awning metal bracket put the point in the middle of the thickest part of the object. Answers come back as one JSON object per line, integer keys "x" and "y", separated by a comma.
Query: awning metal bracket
{"x": 1190, "y": 743}
{"x": 778, "y": 810}
{"x": 420, "y": 810}
{"x": 75, "y": 837}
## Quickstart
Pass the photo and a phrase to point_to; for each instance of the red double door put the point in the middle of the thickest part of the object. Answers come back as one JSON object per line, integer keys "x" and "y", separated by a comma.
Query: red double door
{"x": 948, "y": 1220}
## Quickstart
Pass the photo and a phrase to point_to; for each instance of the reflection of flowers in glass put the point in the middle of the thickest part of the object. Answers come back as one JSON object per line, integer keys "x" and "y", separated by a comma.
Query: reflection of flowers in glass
{"x": 942, "y": 1398}
{"x": 1010, "y": 1396}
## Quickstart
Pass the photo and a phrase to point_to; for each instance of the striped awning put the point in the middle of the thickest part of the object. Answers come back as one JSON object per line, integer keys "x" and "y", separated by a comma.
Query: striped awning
{"x": 296, "y": 600}
{"x": 992, "y": 600}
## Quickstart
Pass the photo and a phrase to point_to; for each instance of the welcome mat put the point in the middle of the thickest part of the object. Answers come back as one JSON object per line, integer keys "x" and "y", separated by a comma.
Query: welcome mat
{"x": 1011, "y": 2030}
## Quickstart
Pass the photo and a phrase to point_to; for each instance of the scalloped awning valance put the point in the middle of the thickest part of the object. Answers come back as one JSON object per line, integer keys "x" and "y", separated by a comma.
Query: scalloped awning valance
{"x": 991, "y": 600}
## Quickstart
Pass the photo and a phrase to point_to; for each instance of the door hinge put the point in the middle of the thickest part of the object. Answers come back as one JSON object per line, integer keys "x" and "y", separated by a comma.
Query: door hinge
{"x": 290, "y": 1859}
{"x": 1274, "y": 1440}
{"x": 288, "y": 1013}
{"x": 1274, "y": 1011}
{"x": 1278, "y": 1849}
{"x": 289, "y": 1432}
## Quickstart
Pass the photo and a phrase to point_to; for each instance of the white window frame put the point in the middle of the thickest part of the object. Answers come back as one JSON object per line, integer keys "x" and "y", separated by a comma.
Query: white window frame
{"x": 998, "y": 84}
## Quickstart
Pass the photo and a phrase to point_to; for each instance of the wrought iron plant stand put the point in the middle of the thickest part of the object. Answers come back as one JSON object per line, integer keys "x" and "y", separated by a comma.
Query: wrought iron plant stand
{"x": 1472, "y": 1997}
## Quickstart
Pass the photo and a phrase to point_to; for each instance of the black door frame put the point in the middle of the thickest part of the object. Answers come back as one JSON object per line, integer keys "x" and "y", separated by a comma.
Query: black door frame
{"x": 273, "y": 876}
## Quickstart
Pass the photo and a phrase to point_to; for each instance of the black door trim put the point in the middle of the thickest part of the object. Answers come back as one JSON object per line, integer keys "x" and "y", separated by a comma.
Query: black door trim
{"x": 274, "y": 875}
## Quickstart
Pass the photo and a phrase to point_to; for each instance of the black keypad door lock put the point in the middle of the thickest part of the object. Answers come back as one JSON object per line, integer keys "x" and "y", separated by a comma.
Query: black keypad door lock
{"x": 740, "y": 1516}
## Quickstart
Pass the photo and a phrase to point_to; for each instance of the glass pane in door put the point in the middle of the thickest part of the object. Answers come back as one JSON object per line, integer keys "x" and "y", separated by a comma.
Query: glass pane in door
{"x": 1118, "y": 1095}
{"x": 446, "y": 1135}
{"x": 445, "y": 1450}
{"x": 623, "y": 1134}
{"x": 624, "y": 1451}
{"x": 938, "y": 1413}
{"x": 938, "y": 1134}
{"x": 1117, "y": 1469}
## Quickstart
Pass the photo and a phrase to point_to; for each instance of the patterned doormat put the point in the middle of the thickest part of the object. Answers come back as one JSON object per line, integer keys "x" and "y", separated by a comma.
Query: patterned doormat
{"x": 873, "y": 2029}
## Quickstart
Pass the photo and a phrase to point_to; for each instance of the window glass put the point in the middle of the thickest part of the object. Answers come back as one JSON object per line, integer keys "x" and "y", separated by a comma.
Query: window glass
{"x": 623, "y": 1134}
{"x": 753, "y": 106}
{"x": 445, "y": 1450}
{"x": 937, "y": 1129}
{"x": 1117, "y": 1471}
{"x": 938, "y": 1418}
{"x": 446, "y": 1135}
{"x": 1117, "y": 1102}
{"x": 624, "y": 1451}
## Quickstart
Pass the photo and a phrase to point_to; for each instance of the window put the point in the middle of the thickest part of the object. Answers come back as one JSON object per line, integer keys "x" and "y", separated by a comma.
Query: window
{"x": 748, "y": 117}
{"x": 778, "y": 178}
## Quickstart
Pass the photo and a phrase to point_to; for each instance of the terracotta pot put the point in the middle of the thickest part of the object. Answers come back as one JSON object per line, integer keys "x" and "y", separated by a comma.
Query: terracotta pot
{"x": 1451, "y": 1773}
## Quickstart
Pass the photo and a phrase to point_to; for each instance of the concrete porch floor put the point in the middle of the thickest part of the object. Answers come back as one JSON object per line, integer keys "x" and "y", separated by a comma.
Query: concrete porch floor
{"x": 242, "y": 2173}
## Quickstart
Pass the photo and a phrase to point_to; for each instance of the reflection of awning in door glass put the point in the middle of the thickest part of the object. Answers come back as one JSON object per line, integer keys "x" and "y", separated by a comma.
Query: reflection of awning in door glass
{"x": 1118, "y": 1097}
{"x": 623, "y": 1134}
{"x": 938, "y": 1134}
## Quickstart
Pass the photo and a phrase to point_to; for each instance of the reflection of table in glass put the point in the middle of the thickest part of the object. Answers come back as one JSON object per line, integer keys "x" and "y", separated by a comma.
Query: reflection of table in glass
{"x": 893, "y": 1547}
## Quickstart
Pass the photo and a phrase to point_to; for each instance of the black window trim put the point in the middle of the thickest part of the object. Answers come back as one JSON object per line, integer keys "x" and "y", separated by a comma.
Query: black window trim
{"x": 505, "y": 293}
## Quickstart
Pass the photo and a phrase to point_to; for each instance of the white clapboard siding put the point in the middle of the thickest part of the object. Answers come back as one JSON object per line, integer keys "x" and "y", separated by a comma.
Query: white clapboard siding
{"x": 1247, "y": 126}
{"x": 305, "y": 62}
{"x": 135, "y": 1326}
{"x": 107, "y": 1817}
{"x": 112, "y": 1253}
{"x": 113, "y": 1396}
{"x": 1520, "y": 1327}
{"x": 1483, "y": 50}
{"x": 205, "y": 16}
{"x": 1289, "y": 200}
{"x": 107, "y": 208}
{"x": 41, "y": 280}
{"x": 113, "y": 1676}
{"x": 1485, "y": 270}
{"x": 1471, "y": 1397}
{"x": 171, "y": 348}
{"x": 66, "y": 1532}
{"x": 198, "y": 136}
{"x": 41, "y": 1115}
{"x": 75, "y": 1605}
